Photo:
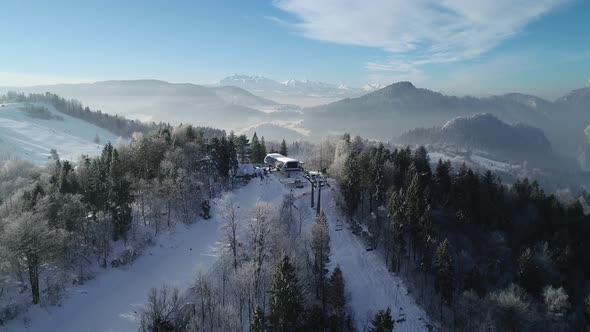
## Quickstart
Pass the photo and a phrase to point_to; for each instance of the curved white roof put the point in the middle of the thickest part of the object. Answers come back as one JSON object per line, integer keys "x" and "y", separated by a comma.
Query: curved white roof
{"x": 281, "y": 158}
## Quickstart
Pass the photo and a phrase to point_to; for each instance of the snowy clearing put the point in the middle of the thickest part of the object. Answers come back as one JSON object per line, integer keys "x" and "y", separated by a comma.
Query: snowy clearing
{"x": 29, "y": 138}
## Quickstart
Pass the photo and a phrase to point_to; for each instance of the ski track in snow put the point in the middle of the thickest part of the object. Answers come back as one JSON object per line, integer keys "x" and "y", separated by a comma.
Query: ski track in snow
{"x": 113, "y": 300}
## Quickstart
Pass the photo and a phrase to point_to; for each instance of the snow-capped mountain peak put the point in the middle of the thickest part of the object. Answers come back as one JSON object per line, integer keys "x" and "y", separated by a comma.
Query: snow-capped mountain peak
{"x": 372, "y": 87}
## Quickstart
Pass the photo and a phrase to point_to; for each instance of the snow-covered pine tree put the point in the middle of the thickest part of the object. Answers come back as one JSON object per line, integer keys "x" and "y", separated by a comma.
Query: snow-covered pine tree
{"x": 257, "y": 322}
{"x": 256, "y": 150}
{"x": 444, "y": 279}
{"x": 350, "y": 184}
{"x": 286, "y": 299}
{"x": 337, "y": 300}
{"x": 320, "y": 248}
{"x": 283, "y": 148}
{"x": 382, "y": 321}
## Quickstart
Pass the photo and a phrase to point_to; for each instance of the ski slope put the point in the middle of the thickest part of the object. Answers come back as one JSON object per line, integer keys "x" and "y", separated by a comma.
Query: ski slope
{"x": 369, "y": 283}
{"x": 28, "y": 138}
{"x": 114, "y": 299}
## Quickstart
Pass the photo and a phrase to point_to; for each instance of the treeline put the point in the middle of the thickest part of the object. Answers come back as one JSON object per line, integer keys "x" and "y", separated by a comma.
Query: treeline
{"x": 60, "y": 222}
{"x": 113, "y": 123}
{"x": 480, "y": 255}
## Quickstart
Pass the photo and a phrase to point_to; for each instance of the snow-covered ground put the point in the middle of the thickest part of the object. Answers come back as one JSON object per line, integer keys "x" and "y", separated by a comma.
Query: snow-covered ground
{"x": 113, "y": 300}
{"x": 473, "y": 160}
{"x": 28, "y": 138}
{"x": 493, "y": 165}
{"x": 370, "y": 285}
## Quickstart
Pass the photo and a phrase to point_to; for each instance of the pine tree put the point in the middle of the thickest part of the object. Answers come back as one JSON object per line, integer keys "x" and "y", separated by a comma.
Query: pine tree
{"x": 351, "y": 183}
{"x": 442, "y": 182}
{"x": 283, "y": 148}
{"x": 206, "y": 210}
{"x": 286, "y": 299}
{"x": 444, "y": 279}
{"x": 256, "y": 150}
{"x": 336, "y": 295}
{"x": 396, "y": 212}
{"x": 382, "y": 321}
{"x": 320, "y": 247}
{"x": 378, "y": 171}
{"x": 528, "y": 272}
{"x": 257, "y": 322}
{"x": 262, "y": 150}
{"x": 241, "y": 144}
{"x": 121, "y": 199}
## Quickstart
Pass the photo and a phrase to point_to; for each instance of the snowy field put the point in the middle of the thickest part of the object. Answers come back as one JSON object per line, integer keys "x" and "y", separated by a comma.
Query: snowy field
{"x": 28, "y": 138}
{"x": 113, "y": 300}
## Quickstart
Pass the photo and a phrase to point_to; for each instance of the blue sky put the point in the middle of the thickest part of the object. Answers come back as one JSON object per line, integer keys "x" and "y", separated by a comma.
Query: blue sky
{"x": 458, "y": 46}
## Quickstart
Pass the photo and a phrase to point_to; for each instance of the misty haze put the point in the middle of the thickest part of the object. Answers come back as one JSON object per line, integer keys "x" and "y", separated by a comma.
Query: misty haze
{"x": 295, "y": 165}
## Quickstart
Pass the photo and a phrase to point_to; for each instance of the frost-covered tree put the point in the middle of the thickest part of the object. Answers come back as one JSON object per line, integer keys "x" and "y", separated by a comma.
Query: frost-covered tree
{"x": 165, "y": 311}
{"x": 556, "y": 300}
{"x": 262, "y": 230}
{"x": 31, "y": 244}
{"x": 320, "y": 248}
{"x": 228, "y": 211}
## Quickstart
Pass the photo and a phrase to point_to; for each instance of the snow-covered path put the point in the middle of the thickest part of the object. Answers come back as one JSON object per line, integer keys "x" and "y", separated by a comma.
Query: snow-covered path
{"x": 370, "y": 285}
{"x": 111, "y": 301}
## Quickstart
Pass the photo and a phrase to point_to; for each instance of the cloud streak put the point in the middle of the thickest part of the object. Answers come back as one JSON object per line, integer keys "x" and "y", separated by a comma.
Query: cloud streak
{"x": 416, "y": 33}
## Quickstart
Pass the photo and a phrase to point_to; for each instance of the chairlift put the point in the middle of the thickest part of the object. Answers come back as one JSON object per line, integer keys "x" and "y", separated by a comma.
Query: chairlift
{"x": 401, "y": 316}
{"x": 339, "y": 225}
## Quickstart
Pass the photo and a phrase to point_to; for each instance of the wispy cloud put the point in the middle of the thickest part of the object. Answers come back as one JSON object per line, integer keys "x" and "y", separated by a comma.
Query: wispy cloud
{"x": 416, "y": 33}
{"x": 29, "y": 79}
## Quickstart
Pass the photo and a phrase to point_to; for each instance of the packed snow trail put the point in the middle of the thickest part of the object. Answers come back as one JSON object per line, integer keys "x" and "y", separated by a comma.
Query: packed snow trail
{"x": 368, "y": 281}
{"x": 112, "y": 301}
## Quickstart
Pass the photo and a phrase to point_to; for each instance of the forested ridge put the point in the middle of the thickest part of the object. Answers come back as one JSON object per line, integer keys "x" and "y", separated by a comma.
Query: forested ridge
{"x": 481, "y": 255}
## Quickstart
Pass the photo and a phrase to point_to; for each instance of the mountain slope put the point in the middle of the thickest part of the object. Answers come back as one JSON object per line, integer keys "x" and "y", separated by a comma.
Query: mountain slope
{"x": 401, "y": 106}
{"x": 153, "y": 100}
{"x": 30, "y": 135}
{"x": 484, "y": 132}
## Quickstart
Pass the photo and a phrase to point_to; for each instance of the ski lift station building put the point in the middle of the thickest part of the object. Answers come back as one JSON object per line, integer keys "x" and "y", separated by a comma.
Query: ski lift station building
{"x": 283, "y": 163}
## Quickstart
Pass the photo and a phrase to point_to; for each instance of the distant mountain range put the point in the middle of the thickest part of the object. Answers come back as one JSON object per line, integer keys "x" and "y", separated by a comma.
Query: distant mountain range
{"x": 226, "y": 107}
{"x": 397, "y": 108}
{"x": 238, "y": 103}
{"x": 295, "y": 89}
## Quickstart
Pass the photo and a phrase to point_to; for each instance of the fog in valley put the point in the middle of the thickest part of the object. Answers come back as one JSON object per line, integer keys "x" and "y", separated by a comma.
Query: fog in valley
{"x": 294, "y": 165}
